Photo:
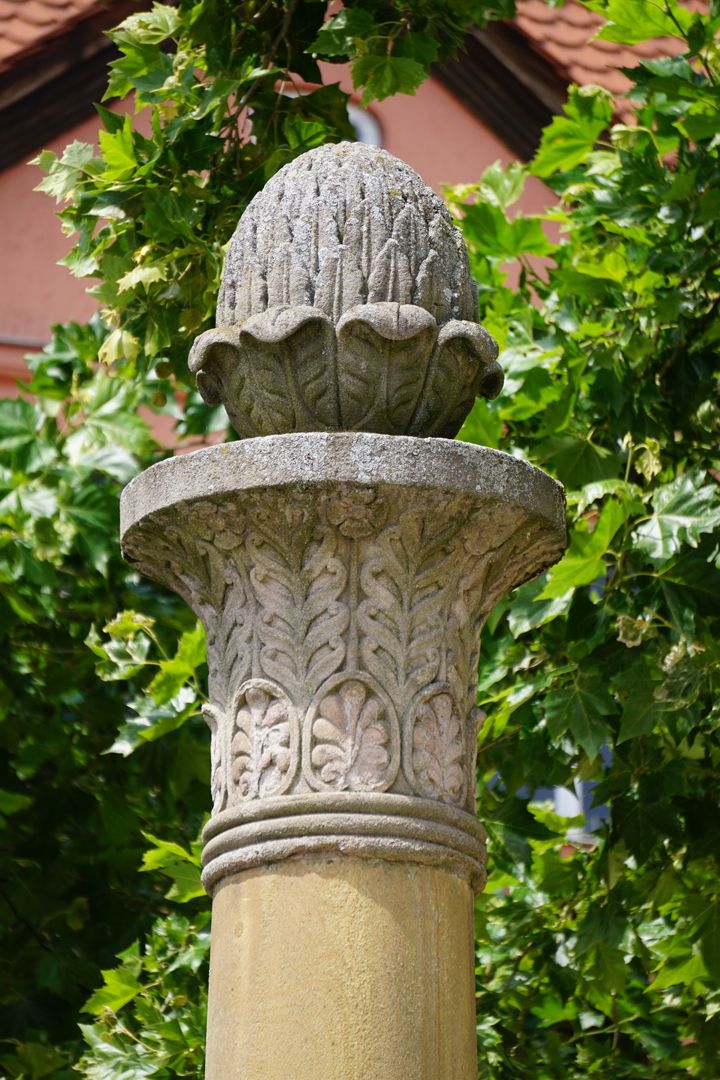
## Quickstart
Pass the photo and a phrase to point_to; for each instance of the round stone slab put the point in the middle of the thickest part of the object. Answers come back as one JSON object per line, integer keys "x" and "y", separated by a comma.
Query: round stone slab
{"x": 357, "y": 458}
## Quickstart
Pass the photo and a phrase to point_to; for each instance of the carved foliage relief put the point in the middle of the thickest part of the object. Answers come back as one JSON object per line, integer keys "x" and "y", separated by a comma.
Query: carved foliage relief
{"x": 264, "y": 742}
{"x": 435, "y": 745}
{"x": 330, "y": 616}
{"x": 353, "y": 741}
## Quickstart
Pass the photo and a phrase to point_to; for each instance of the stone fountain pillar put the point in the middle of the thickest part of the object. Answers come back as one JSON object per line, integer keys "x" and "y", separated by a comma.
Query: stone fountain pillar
{"x": 343, "y": 563}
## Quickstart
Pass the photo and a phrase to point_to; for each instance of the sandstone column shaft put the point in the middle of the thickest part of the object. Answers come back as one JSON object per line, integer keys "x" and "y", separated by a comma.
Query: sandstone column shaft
{"x": 342, "y": 969}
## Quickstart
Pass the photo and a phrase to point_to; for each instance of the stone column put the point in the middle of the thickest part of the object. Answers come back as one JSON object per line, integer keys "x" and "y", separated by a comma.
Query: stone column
{"x": 343, "y": 577}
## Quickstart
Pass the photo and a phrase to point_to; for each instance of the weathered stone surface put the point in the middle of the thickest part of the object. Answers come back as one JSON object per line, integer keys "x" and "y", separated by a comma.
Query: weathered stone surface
{"x": 346, "y": 304}
{"x": 343, "y": 580}
{"x": 339, "y": 969}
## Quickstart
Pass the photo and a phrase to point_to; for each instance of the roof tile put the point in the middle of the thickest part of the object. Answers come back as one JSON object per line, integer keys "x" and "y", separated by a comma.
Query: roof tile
{"x": 564, "y": 36}
{"x": 19, "y": 32}
{"x": 26, "y": 24}
{"x": 38, "y": 14}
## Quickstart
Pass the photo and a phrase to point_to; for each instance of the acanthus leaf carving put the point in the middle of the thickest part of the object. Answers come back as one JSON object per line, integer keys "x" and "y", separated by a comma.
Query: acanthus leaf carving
{"x": 265, "y": 742}
{"x": 227, "y": 608}
{"x": 473, "y": 727}
{"x": 351, "y": 736}
{"x": 291, "y": 353}
{"x": 404, "y": 613}
{"x": 383, "y": 351}
{"x": 434, "y": 746}
{"x": 465, "y": 359}
{"x": 218, "y": 764}
{"x": 229, "y": 635}
{"x": 298, "y": 582}
{"x": 464, "y": 626}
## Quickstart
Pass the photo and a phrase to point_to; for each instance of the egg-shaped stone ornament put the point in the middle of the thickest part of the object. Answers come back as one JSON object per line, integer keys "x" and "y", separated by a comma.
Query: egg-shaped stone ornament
{"x": 346, "y": 304}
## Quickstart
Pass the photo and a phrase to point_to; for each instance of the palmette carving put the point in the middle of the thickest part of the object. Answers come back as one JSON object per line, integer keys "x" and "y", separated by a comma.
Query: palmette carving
{"x": 435, "y": 746}
{"x": 357, "y": 512}
{"x": 351, "y": 736}
{"x": 264, "y": 746}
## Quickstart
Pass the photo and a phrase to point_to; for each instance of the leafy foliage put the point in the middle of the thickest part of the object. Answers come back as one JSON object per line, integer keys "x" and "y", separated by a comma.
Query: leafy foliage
{"x": 72, "y": 816}
{"x": 161, "y": 990}
{"x": 597, "y": 951}
{"x": 598, "y": 944}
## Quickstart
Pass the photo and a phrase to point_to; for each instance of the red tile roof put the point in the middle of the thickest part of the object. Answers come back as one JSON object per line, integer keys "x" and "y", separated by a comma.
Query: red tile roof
{"x": 564, "y": 37}
{"x": 26, "y": 25}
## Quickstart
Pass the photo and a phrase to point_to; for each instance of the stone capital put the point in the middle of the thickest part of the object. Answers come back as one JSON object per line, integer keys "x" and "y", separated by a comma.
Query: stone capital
{"x": 343, "y": 580}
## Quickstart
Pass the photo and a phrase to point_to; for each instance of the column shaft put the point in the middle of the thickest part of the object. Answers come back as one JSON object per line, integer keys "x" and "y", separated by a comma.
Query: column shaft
{"x": 342, "y": 969}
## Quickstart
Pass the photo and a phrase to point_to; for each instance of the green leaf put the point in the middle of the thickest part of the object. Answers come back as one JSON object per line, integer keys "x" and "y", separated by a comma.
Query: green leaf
{"x": 118, "y": 149}
{"x": 602, "y": 925}
{"x": 503, "y": 238}
{"x": 612, "y": 267}
{"x": 609, "y": 968}
{"x": 528, "y": 612}
{"x": 153, "y": 721}
{"x": 678, "y": 973}
{"x": 418, "y": 46}
{"x": 12, "y": 802}
{"x": 35, "y": 1061}
{"x": 514, "y": 826}
{"x": 142, "y": 275}
{"x": 119, "y": 987}
{"x": 180, "y": 865}
{"x": 628, "y": 494}
{"x": 119, "y": 345}
{"x": 648, "y": 462}
{"x": 710, "y": 942}
{"x": 148, "y": 27}
{"x": 578, "y": 461}
{"x": 483, "y": 426}
{"x": 584, "y": 562}
{"x": 580, "y": 709}
{"x": 503, "y": 184}
{"x": 19, "y": 423}
{"x": 684, "y": 509}
{"x": 171, "y": 677}
{"x": 383, "y": 76}
{"x": 641, "y": 710}
{"x": 569, "y": 139}
{"x": 339, "y": 34}
{"x": 186, "y": 883}
{"x": 632, "y": 21}
{"x": 191, "y": 650}
{"x": 165, "y": 853}
{"x": 643, "y": 823}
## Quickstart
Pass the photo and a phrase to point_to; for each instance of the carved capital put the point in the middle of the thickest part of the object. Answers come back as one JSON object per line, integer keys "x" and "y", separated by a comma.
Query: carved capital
{"x": 343, "y": 581}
